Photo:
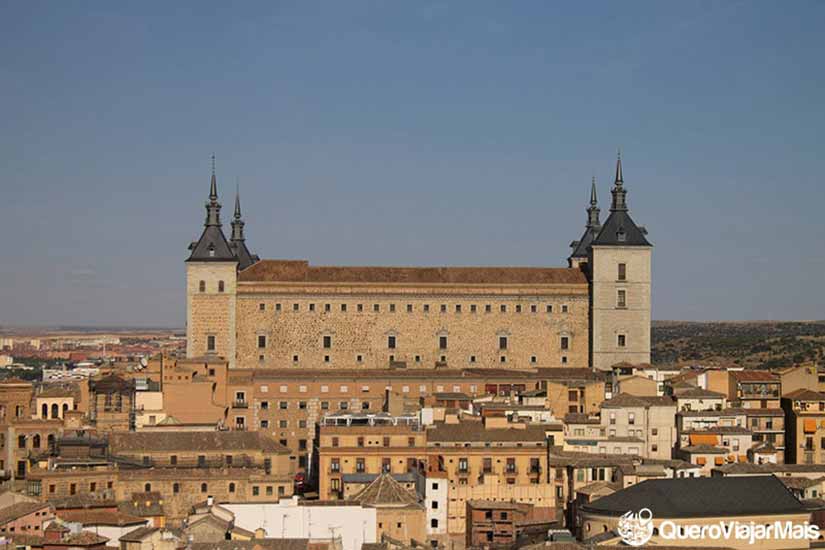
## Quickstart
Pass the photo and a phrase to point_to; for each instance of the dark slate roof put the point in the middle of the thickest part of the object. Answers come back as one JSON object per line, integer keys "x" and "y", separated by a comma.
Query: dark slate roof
{"x": 582, "y": 246}
{"x": 702, "y": 497}
{"x": 620, "y": 221}
{"x": 244, "y": 256}
{"x": 214, "y": 239}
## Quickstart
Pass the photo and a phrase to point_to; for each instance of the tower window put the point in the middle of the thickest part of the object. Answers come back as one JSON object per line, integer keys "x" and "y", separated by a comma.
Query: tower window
{"x": 504, "y": 308}
{"x": 210, "y": 343}
{"x": 621, "y": 340}
{"x": 277, "y": 307}
{"x": 426, "y": 308}
{"x": 533, "y": 359}
{"x": 220, "y": 286}
{"x": 391, "y": 342}
{"x": 359, "y": 308}
{"x": 518, "y": 308}
{"x": 343, "y": 308}
{"x": 261, "y": 341}
{"x": 502, "y": 342}
{"x": 312, "y": 307}
{"x": 443, "y": 308}
{"x": 565, "y": 342}
{"x": 472, "y": 308}
{"x": 327, "y": 342}
{"x": 409, "y": 308}
{"x": 533, "y": 308}
{"x": 202, "y": 286}
{"x": 294, "y": 358}
{"x": 296, "y": 307}
{"x": 262, "y": 307}
{"x": 549, "y": 308}
{"x": 327, "y": 307}
{"x": 442, "y": 342}
{"x": 564, "y": 308}
{"x": 376, "y": 308}
{"x": 622, "y": 272}
{"x": 488, "y": 308}
{"x": 472, "y": 359}
{"x": 392, "y": 308}
{"x": 458, "y": 308}
{"x": 621, "y": 298}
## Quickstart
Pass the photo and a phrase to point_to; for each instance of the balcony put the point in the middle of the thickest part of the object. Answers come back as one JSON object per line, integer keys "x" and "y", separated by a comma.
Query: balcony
{"x": 462, "y": 471}
{"x": 240, "y": 404}
{"x": 535, "y": 470}
{"x": 510, "y": 470}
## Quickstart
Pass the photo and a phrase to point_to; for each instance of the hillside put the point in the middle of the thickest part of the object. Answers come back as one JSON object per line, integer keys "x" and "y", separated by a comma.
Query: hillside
{"x": 765, "y": 344}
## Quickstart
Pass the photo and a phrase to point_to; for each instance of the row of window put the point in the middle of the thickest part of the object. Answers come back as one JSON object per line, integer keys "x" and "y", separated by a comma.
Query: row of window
{"x": 410, "y": 308}
{"x": 202, "y": 286}
{"x": 392, "y": 342}
{"x": 240, "y": 396}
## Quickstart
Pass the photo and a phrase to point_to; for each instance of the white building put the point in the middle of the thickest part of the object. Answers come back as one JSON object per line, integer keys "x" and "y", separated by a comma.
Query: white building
{"x": 435, "y": 499}
{"x": 291, "y": 518}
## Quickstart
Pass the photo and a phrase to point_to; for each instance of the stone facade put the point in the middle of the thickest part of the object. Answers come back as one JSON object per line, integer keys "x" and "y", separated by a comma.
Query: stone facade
{"x": 621, "y": 325}
{"x": 288, "y": 314}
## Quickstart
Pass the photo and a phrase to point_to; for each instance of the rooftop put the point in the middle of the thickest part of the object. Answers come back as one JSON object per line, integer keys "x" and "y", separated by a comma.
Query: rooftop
{"x": 702, "y": 497}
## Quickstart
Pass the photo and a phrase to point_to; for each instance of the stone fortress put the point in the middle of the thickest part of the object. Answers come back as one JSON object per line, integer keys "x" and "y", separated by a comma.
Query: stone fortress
{"x": 269, "y": 314}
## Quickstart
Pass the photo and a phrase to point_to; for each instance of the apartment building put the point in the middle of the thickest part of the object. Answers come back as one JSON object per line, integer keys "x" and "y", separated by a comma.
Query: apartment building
{"x": 650, "y": 420}
{"x": 805, "y": 426}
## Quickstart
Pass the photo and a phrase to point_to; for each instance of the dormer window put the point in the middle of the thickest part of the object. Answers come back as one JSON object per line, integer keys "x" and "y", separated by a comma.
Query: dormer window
{"x": 621, "y": 236}
{"x": 211, "y": 250}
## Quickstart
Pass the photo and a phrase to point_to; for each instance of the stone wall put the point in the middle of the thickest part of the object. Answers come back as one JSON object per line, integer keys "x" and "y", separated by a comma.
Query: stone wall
{"x": 360, "y": 319}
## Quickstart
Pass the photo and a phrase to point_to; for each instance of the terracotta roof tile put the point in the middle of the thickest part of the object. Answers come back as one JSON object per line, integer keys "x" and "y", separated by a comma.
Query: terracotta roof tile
{"x": 299, "y": 271}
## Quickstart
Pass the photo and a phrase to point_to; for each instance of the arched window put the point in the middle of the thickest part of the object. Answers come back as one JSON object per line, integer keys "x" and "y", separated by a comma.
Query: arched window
{"x": 220, "y": 286}
{"x": 65, "y": 408}
{"x": 202, "y": 286}
{"x": 176, "y": 488}
{"x": 204, "y": 488}
{"x": 36, "y": 441}
{"x": 44, "y": 411}
{"x": 147, "y": 487}
{"x": 55, "y": 410}
{"x": 50, "y": 440}
{"x": 231, "y": 487}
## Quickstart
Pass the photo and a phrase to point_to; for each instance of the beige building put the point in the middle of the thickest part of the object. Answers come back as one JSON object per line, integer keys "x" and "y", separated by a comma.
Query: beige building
{"x": 651, "y": 420}
{"x": 290, "y": 314}
{"x": 804, "y": 426}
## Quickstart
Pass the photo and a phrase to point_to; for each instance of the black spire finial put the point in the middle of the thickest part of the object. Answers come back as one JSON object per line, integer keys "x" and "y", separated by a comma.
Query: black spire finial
{"x": 593, "y": 211}
{"x": 619, "y": 192}
{"x": 213, "y": 188}
{"x": 237, "y": 223}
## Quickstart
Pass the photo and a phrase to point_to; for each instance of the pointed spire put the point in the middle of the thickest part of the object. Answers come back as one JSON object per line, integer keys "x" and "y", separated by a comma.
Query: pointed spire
{"x": 237, "y": 200}
{"x": 593, "y": 200}
{"x": 593, "y": 211}
{"x": 213, "y": 188}
{"x": 237, "y": 223}
{"x": 619, "y": 192}
{"x": 213, "y": 207}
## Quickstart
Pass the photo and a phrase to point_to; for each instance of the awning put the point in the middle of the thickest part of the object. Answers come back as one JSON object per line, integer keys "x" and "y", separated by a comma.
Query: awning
{"x": 704, "y": 439}
{"x": 700, "y": 460}
{"x": 809, "y": 425}
{"x": 719, "y": 460}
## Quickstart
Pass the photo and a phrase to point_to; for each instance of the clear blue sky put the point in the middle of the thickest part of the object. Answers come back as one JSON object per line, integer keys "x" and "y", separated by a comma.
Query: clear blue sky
{"x": 409, "y": 133}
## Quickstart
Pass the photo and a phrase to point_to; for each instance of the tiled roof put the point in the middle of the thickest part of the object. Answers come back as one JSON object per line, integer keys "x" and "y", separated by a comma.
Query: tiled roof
{"x": 800, "y": 482}
{"x": 754, "y": 376}
{"x": 581, "y": 418}
{"x": 473, "y": 430}
{"x": 385, "y": 492}
{"x": 702, "y": 497}
{"x": 138, "y": 534}
{"x": 626, "y": 400}
{"x": 804, "y": 394}
{"x": 301, "y": 271}
{"x": 698, "y": 393}
{"x": 705, "y": 449}
{"x": 194, "y": 441}
{"x": 256, "y": 544}
{"x": 10, "y": 513}
{"x": 100, "y": 517}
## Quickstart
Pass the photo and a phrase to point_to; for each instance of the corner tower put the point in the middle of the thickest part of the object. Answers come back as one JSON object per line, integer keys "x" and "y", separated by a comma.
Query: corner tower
{"x": 211, "y": 277}
{"x": 619, "y": 263}
{"x": 581, "y": 248}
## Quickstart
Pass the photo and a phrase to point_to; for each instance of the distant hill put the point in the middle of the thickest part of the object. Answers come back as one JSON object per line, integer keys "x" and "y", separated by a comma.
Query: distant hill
{"x": 766, "y": 344}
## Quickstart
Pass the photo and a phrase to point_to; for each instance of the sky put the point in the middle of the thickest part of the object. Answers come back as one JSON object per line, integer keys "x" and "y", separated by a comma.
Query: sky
{"x": 409, "y": 133}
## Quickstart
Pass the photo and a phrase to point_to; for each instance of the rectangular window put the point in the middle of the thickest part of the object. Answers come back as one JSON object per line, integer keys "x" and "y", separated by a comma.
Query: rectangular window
{"x": 565, "y": 342}
{"x": 327, "y": 307}
{"x": 391, "y": 342}
{"x": 262, "y": 307}
{"x": 442, "y": 342}
{"x": 359, "y": 308}
{"x": 261, "y": 341}
{"x": 327, "y": 342}
{"x": 502, "y": 343}
{"x": 621, "y": 298}
{"x": 409, "y": 308}
{"x": 376, "y": 308}
{"x": 518, "y": 308}
{"x": 503, "y": 308}
{"x": 622, "y": 272}
{"x": 621, "y": 340}
{"x": 343, "y": 308}
{"x": 458, "y": 308}
{"x": 210, "y": 343}
{"x": 312, "y": 307}
{"x": 426, "y": 308}
{"x": 443, "y": 308}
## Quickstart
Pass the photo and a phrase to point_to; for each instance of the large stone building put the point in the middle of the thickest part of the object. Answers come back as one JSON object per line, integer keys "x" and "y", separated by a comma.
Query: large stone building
{"x": 290, "y": 314}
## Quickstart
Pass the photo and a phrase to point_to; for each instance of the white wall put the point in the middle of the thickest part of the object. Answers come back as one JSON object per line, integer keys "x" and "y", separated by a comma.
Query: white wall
{"x": 287, "y": 519}
{"x": 436, "y": 491}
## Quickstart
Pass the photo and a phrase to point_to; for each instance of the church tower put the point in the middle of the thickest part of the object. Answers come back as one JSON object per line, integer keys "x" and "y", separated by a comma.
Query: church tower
{"x": 619, "y": 266}
{"x": 211, "y": 277}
